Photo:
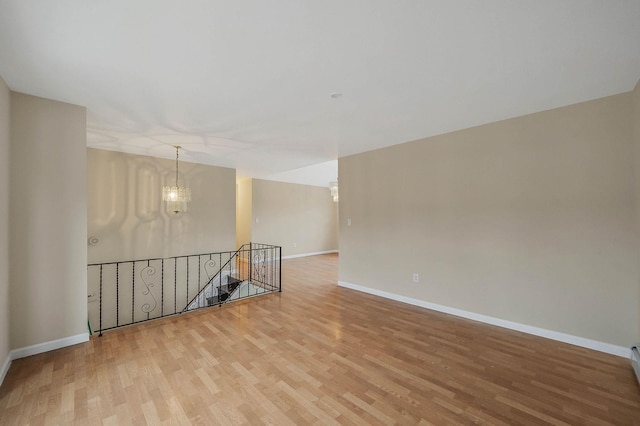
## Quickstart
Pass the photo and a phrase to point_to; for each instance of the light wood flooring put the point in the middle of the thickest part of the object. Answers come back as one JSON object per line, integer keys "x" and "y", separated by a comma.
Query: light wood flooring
{"x": 319, "y": 354}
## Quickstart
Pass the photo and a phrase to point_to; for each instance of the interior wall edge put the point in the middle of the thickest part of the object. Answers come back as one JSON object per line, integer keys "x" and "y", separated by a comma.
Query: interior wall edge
{"x": 5, "y": 368}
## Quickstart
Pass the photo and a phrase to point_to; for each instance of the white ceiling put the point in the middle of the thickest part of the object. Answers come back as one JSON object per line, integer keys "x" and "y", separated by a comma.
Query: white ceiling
{"x": 247, "y": 84}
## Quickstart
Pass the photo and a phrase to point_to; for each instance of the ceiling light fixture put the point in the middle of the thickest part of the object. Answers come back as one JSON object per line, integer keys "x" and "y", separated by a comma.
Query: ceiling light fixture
{"x": 176, "y": 197}
{"x": 333, "y": 188}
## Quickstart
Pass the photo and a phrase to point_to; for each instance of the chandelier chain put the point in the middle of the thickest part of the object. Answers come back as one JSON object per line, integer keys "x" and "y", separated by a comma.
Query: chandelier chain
{"x": 176, "y": 197}
{"x": 177, "y": 148}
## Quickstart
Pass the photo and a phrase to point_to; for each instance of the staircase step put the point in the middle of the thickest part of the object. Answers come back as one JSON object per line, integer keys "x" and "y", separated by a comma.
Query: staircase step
{"x": 233, "y": 280}
{"x": 225, "y": 291}
{"x": 215, "y": 300}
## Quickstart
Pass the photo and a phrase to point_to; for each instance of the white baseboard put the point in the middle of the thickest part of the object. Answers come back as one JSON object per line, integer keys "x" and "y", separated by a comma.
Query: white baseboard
{"x": 5, "y": 367}
{"x": 315, "y": 253}
{"x": 549, "y": 334}
{"x": 40, "y": 348}
{"x": 48, "y": 346}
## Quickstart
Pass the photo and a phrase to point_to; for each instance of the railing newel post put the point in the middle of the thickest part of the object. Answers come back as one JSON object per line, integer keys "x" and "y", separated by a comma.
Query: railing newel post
{"x": 133, "y": 293}
{"x": 100, "y": 335}
{"x": 187, "y": 281}
{"x": 199, "y": 267}
{"x": 117, "y": 294}
{"x": 280, "y": 271}
{"x": 162, "y": 289}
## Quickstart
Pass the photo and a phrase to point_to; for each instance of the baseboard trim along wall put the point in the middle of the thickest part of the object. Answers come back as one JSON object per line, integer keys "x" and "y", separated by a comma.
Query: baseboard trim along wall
{"x": 293, "y": 256}
{"x": 48, "y": 346}
{"x": 5, "y": 367}
{"x": 549, "y": 334}
{"x": 40, "y": 348}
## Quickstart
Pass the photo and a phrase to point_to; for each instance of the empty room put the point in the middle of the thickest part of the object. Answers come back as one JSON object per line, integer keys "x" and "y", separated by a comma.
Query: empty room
{"x": 414, "y": 212}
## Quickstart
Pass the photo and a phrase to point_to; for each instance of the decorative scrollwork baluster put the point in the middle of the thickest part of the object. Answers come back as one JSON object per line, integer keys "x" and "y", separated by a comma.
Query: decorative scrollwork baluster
{"x": 258, "y": 263}
{"x": 210, "y": 268}
{"x": 146, "y": 275}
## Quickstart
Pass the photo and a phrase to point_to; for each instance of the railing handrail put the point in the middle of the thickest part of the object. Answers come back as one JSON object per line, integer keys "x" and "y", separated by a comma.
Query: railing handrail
{"x": 164, "y": 258}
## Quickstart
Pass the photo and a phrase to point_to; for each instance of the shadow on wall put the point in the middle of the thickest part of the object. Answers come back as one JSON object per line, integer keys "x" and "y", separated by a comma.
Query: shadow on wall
{"x": 126, "y": 212}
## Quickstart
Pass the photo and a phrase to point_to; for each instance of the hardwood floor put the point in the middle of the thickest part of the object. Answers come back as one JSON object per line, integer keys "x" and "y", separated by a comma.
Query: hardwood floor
{"x": 319, "y": 354}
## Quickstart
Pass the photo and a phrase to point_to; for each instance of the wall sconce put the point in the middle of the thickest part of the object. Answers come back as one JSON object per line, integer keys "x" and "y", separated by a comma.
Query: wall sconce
{"x": 333, "y": 188}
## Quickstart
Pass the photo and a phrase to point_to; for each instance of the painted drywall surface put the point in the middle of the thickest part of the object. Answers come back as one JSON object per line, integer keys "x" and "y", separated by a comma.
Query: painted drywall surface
{"x": 528, "y": 220}
{"x": 636, "y": 152}
{"x": 48, "y": 219}
{"x": 5, "y": 99}
{"x": 300, "y": 218}
{"x": 636, "y": 149}
{"x": 127, "y": 215}
{"x": 243, "y": 211}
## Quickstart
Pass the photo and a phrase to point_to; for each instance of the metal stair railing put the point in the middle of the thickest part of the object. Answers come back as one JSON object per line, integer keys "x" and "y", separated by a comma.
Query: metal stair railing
{"x": 255, "y": 263}
{"x": 134, "y": 291}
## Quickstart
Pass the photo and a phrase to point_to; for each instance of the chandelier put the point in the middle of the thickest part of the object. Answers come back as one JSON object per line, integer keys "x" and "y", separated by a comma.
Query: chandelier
{"x": 176, "y": 197}
{"x": 333, "y": 188}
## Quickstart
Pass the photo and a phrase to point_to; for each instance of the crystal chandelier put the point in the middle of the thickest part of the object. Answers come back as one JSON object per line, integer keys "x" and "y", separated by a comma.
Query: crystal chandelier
{"x": 333, "y": 187}
{"x": 176, "y": 197}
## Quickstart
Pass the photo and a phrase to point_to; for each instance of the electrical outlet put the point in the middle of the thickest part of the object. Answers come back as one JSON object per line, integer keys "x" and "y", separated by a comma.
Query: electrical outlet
{"x": 416, "y": 277}
{"x": 295, "y": 245}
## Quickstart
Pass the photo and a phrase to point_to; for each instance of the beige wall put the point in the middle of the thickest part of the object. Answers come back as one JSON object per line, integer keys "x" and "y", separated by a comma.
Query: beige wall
{"x": 4, "y": 222}
{"x": 636, "y": 151}
{"x": 127, "y": 214}
{"x": 636, "y": 146}
{"x": 528, "y": 220}
{"x": 243, "y": 211}
{"x": 48, "y": 219}
{"x": 300, "y": 218}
